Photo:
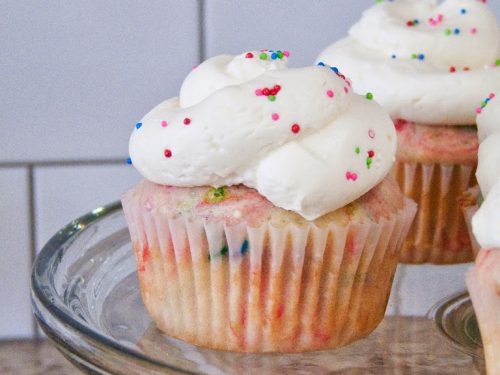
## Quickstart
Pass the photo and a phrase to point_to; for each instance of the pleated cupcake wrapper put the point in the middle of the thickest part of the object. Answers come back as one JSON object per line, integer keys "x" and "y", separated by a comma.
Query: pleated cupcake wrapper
{"x": 469, "y": 204}
{"x": 268, "y": 288}
{"x": 439, "y": 233}
{"x": 483, "y": 283}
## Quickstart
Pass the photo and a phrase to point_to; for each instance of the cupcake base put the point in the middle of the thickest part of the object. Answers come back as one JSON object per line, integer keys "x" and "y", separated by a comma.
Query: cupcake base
{"x": 266, "y": 289}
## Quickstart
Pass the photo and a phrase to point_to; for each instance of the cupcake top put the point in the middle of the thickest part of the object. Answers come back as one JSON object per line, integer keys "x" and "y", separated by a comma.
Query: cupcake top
{"x": 486, "y": 222}
{"x": 425, "y": 62}
{"x": 300, "y": 137}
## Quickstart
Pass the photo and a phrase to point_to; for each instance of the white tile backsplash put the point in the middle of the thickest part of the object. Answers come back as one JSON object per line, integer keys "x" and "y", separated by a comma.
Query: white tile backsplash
{"x": 77, "y": 76}
{"x": 15, "y": 263}
{"x": 65, "y": 193}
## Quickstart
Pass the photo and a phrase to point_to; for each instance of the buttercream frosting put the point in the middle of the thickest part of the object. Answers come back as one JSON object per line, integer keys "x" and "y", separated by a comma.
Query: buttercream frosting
{"x": 300, "y": 137}
{"x": 486, "y": 222}
{"x": 425, "y": 61}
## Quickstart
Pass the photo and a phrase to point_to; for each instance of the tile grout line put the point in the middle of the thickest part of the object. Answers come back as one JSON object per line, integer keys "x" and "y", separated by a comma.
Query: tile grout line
{"x": 32, "y": 234}
{"x": 202, "y": 31}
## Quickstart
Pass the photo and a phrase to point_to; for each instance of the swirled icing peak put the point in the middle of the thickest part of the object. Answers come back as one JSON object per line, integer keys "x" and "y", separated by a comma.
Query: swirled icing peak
{"x": 426, "y": 61}
{"x": 486, "y": 222}
{"x": 300, "y": 137}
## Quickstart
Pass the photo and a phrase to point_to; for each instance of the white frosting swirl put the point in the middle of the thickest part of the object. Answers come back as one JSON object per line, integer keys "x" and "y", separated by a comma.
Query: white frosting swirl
{"x": 486, "y": 222}
{"x": 315, "y": 148}
{"x": 433, "y": 71}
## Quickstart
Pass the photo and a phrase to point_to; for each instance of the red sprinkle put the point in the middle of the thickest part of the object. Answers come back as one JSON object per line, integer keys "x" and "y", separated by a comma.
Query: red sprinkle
{"x": 453, "y": 69}
{"x": 409, "y": 23}
{"x": 371, "y": 153}
{"x": 295, "y": 128}
{"x": 167, "y": 153}
{"x": 249, "y": 55}
{"x": 277, "y": 88}
{"x": 187, "y": 121}
{"x": 266, "y": 91}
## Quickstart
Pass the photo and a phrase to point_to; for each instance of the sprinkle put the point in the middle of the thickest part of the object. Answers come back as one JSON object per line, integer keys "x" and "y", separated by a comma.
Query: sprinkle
{"x": 277, "y": 88}
{"x": 463, "y": 11}
{"x": 187, "y": 121}
{"x": 447, "y": 32}
{"x": 286, "y": 53}
{"x": 473, "y": 30}
{"x": 369, "y": 96}
{"x": 371, "y": 154}
{"x": 330, "y": 94}
{"x": 295, "y": 128}
{"x": 466, "y": 69}
{"x": 346, "y": 89}
{"x": 129, "y": 161}
{"x": 223, "y": 251}
{"x": 371, "y": 133}
{"x": 138, "y": 125}
{"x": 258, "y": 92}
{"x": 393, "y": 56}
{"x": 497, "y": 62}
{"x": 452, "y": 69}
{"x": 369, "y": 161}
{"x": 275, "y": 117}
{"x": 244, "y": 247}
{"x": 164, "y": 124}
{"x": 263, "y": 56}
{"x": 265, "y": 91}
{"x": 271, "y": 98}
{"x": 274, "y": 55}
{"x": 456, "y": 31}
{"x": 167, "y": 153}
{"x": 249, "y": 55}
{"x": 421, "y": 56}
{"x": 280, "y": 55}
{"x": 357, "y": 150}
{"x": 353, "y": 176}
{"x": 215, "y": 195}
{"x": 334, "y": 69}
{"x": 321, "y": 63}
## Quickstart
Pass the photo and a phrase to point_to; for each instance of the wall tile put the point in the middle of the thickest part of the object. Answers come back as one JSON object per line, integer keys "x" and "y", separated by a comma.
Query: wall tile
{"x": 418, "y": 287}
{"x": 15, "y": 265}
{"x": 66, "y": 193}
{"x": 303, "y": 27}
{"x": 76, "y": 76}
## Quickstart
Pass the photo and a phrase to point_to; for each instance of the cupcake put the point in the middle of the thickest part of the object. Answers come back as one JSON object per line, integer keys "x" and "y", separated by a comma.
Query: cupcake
{"x": 428, "y": 65}
{"x": 266, "y": 221}
{"x": 483, "y": 280}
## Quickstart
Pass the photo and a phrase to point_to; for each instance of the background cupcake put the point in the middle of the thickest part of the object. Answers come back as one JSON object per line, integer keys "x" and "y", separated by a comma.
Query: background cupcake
{"x": 428, "y": 65}
{"x": 267, "y": 223}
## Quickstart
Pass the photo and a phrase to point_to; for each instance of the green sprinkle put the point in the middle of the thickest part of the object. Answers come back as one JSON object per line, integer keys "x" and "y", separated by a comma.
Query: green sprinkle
{"x": 216, "y": 195}
{"x": 222, "y": 252}
{"x": 369, "y": 96}
{"x": 447, "y": 32}
{"x": 368, "y": 162}
{"x": 413, "y": 55}
{"x": 497, "y": 63}
{"x": 263, "y": 56}
{"x": 358, "y": 150}
{"x": 280, "y": 54}
{"x": 271, "y": 98}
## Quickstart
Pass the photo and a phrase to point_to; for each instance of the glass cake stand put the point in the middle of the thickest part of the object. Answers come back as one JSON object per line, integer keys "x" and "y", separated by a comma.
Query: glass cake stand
{"x": 86, "y": 298}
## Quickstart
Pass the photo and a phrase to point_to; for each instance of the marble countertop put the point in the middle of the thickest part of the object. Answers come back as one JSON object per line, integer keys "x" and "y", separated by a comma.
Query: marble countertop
{"x": 400, "y": 345}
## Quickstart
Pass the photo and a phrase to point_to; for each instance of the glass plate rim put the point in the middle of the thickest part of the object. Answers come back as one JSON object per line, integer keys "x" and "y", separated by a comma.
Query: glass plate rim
{"x": 55, "y": 244}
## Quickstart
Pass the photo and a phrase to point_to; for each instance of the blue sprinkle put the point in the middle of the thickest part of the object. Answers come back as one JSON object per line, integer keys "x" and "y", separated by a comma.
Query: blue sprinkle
{"x": 456, "y": 31}
{"x": 321, "y": 64}
{"x": 244, "y": 247}
{"x": 138, "y": 125}
{"x": 274, "y": 56}
{"x": 416, "y": 22}
{"x": 393, "y": 56}
{"x": 487, "y": 100}
{"x": 334, "y": 69}
{"x": 421, "y": 56}
{"x": 463, "y": 10}
{"x": 129, "y": 161}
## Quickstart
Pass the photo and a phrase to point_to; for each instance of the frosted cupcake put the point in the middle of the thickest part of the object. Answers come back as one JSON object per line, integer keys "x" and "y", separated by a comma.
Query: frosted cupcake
{"x": 483, "y": 280}
{"x": 266, "y": 221}
{"x": 428, "y": 65}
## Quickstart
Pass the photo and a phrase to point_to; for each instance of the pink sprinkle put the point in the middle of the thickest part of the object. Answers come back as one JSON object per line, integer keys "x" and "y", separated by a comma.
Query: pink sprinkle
{"x": 478, "y": 110}
{"x": 440, "y": 17}
{"x": 371, "y": 133}
{"x": 330, "y": 93}
{"x": 432, "y": 22}
{"x": 346, "y": 89}
{"x": 194, "y": 67}
{"x": 491, "y": 96}
{"x": 164, "y": 124}
{"x": 351, "y": 176}
{"x": 258, "y": 92}
{"x": 473, "y": 30}
{"x": 286, "y": 53}
{"x": 275, "y": 117}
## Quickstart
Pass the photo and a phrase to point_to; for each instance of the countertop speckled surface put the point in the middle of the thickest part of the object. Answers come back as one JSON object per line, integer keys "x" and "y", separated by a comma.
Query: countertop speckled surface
{"x": 400, "y": 345}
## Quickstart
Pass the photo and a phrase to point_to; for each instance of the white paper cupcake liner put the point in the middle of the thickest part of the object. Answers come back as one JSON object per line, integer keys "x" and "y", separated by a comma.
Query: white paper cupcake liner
{"x": 439, "y": 233}
{"x": 264, "y": 289}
